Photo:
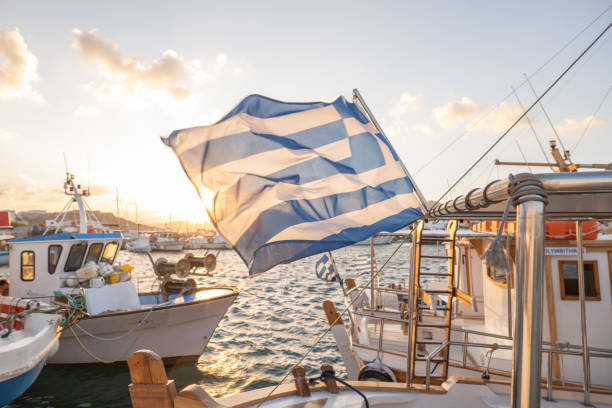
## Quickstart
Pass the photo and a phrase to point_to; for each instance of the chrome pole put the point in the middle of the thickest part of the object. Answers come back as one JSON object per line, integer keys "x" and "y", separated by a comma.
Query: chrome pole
{"x": 411, "y": 295}
{"x": 509, "y": 288}
{"x": 526, "y": 353}
{"x": 549, "y": 385}
{"x": 586, "y": 364}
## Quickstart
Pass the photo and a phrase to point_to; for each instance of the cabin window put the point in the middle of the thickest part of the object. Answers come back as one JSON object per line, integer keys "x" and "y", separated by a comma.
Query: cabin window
{"x": 27, "y": 265}
{"x": 497, "y": 275}
{"x": 568, "y": 277}
{"x": 109, "y": 252}
{"x": 53, "y": 257}
{"x": 75, "y": 257}
{"x": 94, "y": 252}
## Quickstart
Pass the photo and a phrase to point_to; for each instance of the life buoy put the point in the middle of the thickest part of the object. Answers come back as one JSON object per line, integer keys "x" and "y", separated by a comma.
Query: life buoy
{"x": 377, "y": 371}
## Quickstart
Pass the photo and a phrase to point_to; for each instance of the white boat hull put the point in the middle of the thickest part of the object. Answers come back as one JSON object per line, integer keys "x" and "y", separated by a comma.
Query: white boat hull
{"x": 177, "y": 331}
{"x": 23, "y": 354}
{"x": 164, "y": 246}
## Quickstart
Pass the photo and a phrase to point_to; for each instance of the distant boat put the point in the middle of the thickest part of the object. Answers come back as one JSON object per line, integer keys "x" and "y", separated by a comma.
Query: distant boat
{"x": 140, "y": 244}
{"x": 378, "y": 240}
{"x": 165, "y": 241}
{"x": 25, "y": 345}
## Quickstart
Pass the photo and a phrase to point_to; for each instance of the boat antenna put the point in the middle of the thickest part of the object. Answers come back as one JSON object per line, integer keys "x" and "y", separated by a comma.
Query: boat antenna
{"x": 65, "y": 162}
{"x": 499, "y": 139}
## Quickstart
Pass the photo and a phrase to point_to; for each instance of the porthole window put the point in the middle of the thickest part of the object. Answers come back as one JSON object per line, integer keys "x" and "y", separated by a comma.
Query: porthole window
{"x": 75, "y": 257}
{"x": 27, "y": 265}
{"x": 568, "y": 277}
{"x": 94, "y": 252}
{"x": 53, "y": 257}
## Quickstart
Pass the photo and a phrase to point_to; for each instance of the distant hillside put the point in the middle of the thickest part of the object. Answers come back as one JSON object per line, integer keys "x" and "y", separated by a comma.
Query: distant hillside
{"x": 72, "y": 217}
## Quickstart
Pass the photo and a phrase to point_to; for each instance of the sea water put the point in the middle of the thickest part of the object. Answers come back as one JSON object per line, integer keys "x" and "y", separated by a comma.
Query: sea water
{"x": 273, "y": 323}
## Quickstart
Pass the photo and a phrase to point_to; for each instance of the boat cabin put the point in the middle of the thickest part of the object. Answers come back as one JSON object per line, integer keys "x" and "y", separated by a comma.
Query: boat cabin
{"x": 44, "y": 264}
{"x": 561, "y": 308}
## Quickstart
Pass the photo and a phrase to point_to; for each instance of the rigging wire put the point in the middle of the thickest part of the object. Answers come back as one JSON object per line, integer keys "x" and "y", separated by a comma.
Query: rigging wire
{"x": 487, "y": 113}
{"x": 532, "y": 128}
{"x": 592, "y": 117}
{"x": 547, "y": 117}
{"x": 525, "y": 113}
{"x": 524, "y": 157}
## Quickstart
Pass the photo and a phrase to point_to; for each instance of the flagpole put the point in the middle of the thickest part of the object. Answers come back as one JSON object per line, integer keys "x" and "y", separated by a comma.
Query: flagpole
{"x": 341, "y": 282}
{"x": 420, "y": 195}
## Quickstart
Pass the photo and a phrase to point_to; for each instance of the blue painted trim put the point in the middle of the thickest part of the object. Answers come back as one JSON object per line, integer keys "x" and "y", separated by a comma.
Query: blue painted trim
{"x": 13, "y": 388}
{"x": 68, "y": 237}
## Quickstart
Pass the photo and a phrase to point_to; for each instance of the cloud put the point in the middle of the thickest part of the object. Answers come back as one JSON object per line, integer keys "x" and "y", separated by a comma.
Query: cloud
{"x": 6, "y": 135}
{"x": 169, "y": 74}
{"x": 406, "y": 104}
{"x": 87, "y": 111}
{"x": 22, "y": 192}
{"x": 501, "y": 117}
{"x": 471, "y": 114}
{"x": 17, "y": 68}
{"x": 456, "y": 112}
{"x": 574, "y": 128}
{"x": 423, "y": 128}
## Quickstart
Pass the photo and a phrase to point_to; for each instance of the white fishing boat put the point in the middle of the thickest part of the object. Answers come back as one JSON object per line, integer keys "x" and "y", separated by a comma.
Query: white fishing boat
{"x": 380, "y": 239}
{"x": 28, "y": 338}
{"x": 141, "y": 244}
{"x": 80, "y": 267}
{"x": 165, "y": 241}
{"x": 214, "y": 241}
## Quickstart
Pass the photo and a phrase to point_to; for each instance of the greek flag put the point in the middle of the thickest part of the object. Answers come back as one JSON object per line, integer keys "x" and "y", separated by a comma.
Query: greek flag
{"x": 292, "y": 180}
{"x": 326, "y": 269}
{"x": 362, "y": 264}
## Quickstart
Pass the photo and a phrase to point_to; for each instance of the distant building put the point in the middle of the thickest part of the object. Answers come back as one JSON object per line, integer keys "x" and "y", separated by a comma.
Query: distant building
{"x": 5, "y": 221}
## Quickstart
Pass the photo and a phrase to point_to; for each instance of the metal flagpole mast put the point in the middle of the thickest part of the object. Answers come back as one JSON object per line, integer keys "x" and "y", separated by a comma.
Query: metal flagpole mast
{"x": 420, "y": 195}
{"x": 337, "y": 273}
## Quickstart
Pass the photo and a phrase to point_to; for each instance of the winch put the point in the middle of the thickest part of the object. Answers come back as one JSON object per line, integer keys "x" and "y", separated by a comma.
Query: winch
{"x": 188, "y": 265}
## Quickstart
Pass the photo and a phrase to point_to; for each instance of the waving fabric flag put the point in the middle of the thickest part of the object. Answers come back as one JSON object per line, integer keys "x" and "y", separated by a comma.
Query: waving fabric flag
{"x": 292, "y": 180}
{"x": 326, "y": 269}
{"x": 362, "y": 264}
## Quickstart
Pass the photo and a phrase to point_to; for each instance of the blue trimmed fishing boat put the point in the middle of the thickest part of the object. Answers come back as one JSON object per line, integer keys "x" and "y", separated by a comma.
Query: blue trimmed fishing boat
{"x": 28, "y": 338}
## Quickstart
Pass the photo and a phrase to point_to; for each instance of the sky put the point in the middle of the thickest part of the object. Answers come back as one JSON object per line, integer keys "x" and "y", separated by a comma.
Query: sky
{"x": 100, "y": 82}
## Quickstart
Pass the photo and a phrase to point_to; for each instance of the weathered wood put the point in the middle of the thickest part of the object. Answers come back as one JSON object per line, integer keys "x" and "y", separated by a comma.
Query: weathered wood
{"x": 194, "y": 396}
{"x": 330, "y": 311}
{"x": 301, "y": 385}
{"x": 150, "y": 386}
{"x": 330, "y": 383}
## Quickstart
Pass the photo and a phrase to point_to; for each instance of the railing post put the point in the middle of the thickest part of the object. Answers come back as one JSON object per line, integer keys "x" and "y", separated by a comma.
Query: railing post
{"x": 586, "y": 364}
{"x": 527, "y": 356}
{"x": 150, "y": 387}
{"x": 549, "y": 384}
{"x": 301, "y": 386}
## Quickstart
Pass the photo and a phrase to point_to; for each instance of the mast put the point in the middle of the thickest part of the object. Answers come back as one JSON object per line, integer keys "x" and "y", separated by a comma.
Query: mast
{"x": 75, "y": 191}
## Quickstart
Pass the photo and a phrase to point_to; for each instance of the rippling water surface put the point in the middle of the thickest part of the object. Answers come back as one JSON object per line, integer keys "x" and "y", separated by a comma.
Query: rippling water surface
{"x": 271, "y": 325}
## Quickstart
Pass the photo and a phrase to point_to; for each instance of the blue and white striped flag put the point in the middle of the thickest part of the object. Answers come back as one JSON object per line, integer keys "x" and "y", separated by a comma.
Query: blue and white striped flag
{"x": 362, "y": 264}
{"x": 326, "y": 269}
{"x": 292, "y": 180}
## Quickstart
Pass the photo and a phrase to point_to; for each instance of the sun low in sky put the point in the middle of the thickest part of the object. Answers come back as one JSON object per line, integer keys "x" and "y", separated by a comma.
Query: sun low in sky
{"x": 102, "y": 83}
